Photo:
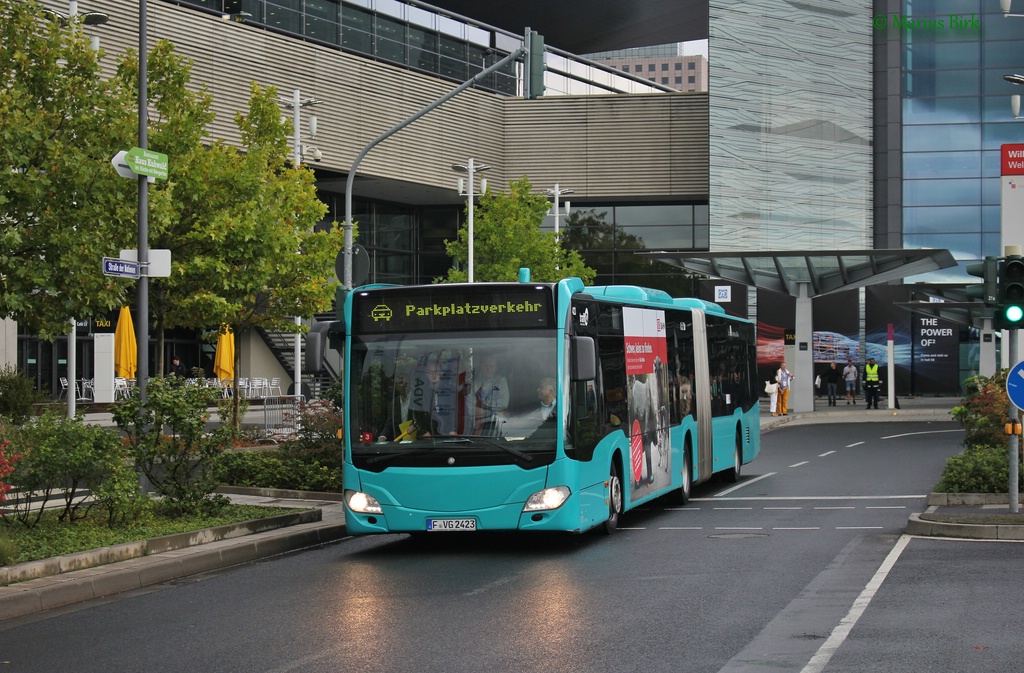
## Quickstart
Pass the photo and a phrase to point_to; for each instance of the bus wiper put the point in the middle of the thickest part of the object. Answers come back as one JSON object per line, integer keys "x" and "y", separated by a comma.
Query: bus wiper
{"x": 490, "y": 442}
{"x": 388, "y": 456}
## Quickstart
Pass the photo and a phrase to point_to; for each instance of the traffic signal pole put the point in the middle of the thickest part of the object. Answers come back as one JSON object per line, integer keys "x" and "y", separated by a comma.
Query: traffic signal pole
{"x": 1013, "y": 486}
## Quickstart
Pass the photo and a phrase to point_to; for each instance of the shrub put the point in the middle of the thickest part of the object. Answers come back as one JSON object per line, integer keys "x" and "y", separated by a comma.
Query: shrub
{"x": 984, "y": 465}
{"x": 984, "y": 410}
{"x": 979, "y": 469}
{"x": 8, "y": 548}
{"x": 65, "y": 459}
{"x": 276, "y": 468}
{"x": 169, "y": 442}
{"x": 17, "y": 396}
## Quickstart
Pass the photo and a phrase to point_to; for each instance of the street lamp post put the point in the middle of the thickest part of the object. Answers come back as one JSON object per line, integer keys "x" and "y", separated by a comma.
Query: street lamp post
{"x": 557, "y": 192}
{"x": 295, "y": 105}
{"x": 89, "y": 19}
{"x": 470, "y": 169}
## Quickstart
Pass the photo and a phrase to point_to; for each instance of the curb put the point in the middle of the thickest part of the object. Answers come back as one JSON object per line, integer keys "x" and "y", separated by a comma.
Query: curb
{"x": 54, "y": 591}
{"x": 972, "y": 531}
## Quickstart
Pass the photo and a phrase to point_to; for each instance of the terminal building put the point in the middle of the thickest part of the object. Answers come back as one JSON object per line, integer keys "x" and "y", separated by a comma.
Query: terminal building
{"x": 819, "y": 130}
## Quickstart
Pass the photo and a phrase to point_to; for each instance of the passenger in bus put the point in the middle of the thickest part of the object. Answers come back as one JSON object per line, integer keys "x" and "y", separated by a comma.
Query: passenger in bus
{"x": 397, "y": 425}
{"x": 490, "y": 398}
{"x": 546, "y": 395}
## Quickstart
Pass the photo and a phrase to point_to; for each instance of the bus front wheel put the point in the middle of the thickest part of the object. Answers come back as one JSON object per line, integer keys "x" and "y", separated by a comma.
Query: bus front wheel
{"x": 614, "y": 501}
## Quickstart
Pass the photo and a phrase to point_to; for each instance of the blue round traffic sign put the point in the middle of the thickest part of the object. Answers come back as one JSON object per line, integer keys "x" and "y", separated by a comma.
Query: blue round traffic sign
{"x": 1015, "y": 385}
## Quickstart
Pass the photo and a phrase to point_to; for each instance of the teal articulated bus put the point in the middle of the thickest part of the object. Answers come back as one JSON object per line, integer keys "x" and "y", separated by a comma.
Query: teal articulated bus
{"x": 537, "y": 406}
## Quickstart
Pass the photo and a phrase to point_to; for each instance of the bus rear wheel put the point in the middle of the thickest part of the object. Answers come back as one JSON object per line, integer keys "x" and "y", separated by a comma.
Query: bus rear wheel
{"x": 682, "y": 496}
{"x": 736, "y": 471}
{"x": 614, "y": 501}
{"x": 684, "y": 492}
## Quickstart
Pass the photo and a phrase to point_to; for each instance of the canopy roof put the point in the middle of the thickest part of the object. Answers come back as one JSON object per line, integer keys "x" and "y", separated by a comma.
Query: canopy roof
{"x": 825, "y": 271}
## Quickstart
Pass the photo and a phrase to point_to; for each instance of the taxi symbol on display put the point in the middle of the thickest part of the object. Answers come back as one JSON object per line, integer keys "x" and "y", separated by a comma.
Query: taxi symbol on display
{"x": 381, "y": 312}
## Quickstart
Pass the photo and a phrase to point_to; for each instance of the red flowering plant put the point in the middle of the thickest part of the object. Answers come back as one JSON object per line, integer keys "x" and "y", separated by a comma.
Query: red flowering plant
{"x": 6, "y": 468}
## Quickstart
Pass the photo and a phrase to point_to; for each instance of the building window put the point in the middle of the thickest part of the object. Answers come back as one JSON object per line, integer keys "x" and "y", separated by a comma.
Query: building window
{"x": 691, "y": 66}
{"x": 691, "y": 79}
{"x": 664, "y": 80}
{"x": 664, "y": 66}
{"x": 650, "y": 67}
{"x": 679, "y": 80}
{"x": 679, "y": 65}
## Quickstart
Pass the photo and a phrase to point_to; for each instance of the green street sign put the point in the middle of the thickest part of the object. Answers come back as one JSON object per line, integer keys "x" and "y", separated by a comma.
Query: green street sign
{"x": 147, "y": 162}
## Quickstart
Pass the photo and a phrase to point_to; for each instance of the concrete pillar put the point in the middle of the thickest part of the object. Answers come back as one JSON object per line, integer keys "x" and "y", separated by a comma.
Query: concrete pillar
{"x": 801, "y": 397}
{"x": 103, "y": 367}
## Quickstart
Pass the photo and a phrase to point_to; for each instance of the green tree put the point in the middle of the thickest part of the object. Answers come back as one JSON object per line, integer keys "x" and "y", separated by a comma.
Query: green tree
{"x": 507, "y": 236}
{"x": 63, "y": 207}
{"x": 239, "y": 224}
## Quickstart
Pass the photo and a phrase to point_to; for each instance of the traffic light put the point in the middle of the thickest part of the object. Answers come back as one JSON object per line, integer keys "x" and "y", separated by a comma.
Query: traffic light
{"x": 1010, "y": 310}
{"x": 988, "y": 289}
{"x": 534, "y": 64}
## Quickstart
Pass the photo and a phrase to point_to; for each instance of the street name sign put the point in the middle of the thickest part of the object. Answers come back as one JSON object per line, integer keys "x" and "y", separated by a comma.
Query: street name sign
{"x": 1015, "y": 385}
{"x": 124, "y": 268}
{"x": 147, "y": 162}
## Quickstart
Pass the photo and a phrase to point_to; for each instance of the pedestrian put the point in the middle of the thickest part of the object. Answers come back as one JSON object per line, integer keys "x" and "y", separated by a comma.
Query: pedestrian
{"x": 871, "y": 384}
{"x": 784, "y": 378}
{"x": 832, "y": 377}
{"x": 850, "y": 377}
{"x": 178, "y": 369}
{"x": 772, "y": 389}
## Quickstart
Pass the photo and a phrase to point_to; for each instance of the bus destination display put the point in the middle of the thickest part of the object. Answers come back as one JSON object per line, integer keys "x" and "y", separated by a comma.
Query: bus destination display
{"x": 427, "y": 309}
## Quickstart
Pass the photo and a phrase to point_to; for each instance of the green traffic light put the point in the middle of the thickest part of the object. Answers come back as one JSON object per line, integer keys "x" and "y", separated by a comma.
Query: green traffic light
{"x": 1014, "y": 313}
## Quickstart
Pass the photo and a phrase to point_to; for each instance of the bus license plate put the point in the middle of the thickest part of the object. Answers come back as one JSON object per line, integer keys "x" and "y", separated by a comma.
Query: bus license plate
{"x": 451, "y": 524}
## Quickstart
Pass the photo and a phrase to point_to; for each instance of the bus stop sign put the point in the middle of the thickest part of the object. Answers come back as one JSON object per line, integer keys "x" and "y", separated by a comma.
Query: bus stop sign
{"x": 1015, "y": 385}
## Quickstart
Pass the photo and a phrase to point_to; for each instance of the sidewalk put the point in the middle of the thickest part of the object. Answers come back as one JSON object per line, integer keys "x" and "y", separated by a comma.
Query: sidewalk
{"x": 927, "y": 409}
{"x": 91, "y": 575}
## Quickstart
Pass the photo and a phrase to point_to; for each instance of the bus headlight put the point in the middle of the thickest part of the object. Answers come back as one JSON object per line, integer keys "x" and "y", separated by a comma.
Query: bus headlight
{"x": 549, "y": 498}
{"x": 364, "y": 504}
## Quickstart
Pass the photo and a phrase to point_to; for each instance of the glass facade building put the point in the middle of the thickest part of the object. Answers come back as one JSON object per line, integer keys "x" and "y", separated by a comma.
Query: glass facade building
{"x": 955, "y": 115}
{"x": 790, "y": 125}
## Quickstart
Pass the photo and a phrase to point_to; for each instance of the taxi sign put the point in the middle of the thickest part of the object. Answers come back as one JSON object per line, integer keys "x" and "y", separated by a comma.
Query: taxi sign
{"x": 112, "y": 266}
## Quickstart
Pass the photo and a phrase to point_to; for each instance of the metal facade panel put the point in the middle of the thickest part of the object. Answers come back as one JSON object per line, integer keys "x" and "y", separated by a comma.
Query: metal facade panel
{"x": 643, "y": 146}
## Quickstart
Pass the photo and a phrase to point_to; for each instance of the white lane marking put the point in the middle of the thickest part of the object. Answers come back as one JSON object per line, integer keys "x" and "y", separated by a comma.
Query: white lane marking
{"x": 850, "y": 446}
{"x": 783, "y": 507}
{"x": 797, "y": 528}
{"x": 737, "y": 528}
{"x": 492, "y": 585}
{"x": 681, "y": 528}
{"x": 926, "y": 432}
{"x": 837, "y": 507}
{"x": 827, "y": 453}
{"x": 816, "y": 497}
{"x": 730, "y": 508}
{"x": 746, "y": 483}
{"x": 858, "y": 527}
{"x": 803, "y": 462}
{"x": 839, "y": 634}
{"x": 885, "y": 507}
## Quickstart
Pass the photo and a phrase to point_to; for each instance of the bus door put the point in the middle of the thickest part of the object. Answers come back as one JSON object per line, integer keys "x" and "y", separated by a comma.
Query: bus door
{"x": 704, "y": 461}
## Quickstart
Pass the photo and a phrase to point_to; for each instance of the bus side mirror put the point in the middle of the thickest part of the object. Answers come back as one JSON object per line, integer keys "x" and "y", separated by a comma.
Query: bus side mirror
{"x": 584, "y": 359}
{"x": 316, "y": 342}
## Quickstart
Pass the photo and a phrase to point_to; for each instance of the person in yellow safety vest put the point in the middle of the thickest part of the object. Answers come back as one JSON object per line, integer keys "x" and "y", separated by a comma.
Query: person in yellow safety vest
{"x": 871, "y": 384}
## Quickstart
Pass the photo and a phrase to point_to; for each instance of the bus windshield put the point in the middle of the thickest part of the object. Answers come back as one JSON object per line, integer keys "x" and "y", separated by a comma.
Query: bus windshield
{"x": 447, "y": 398}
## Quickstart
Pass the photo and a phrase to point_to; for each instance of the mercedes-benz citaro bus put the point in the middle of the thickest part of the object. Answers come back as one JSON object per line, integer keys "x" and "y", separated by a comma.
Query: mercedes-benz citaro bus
{"x": 537, "y": 406}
